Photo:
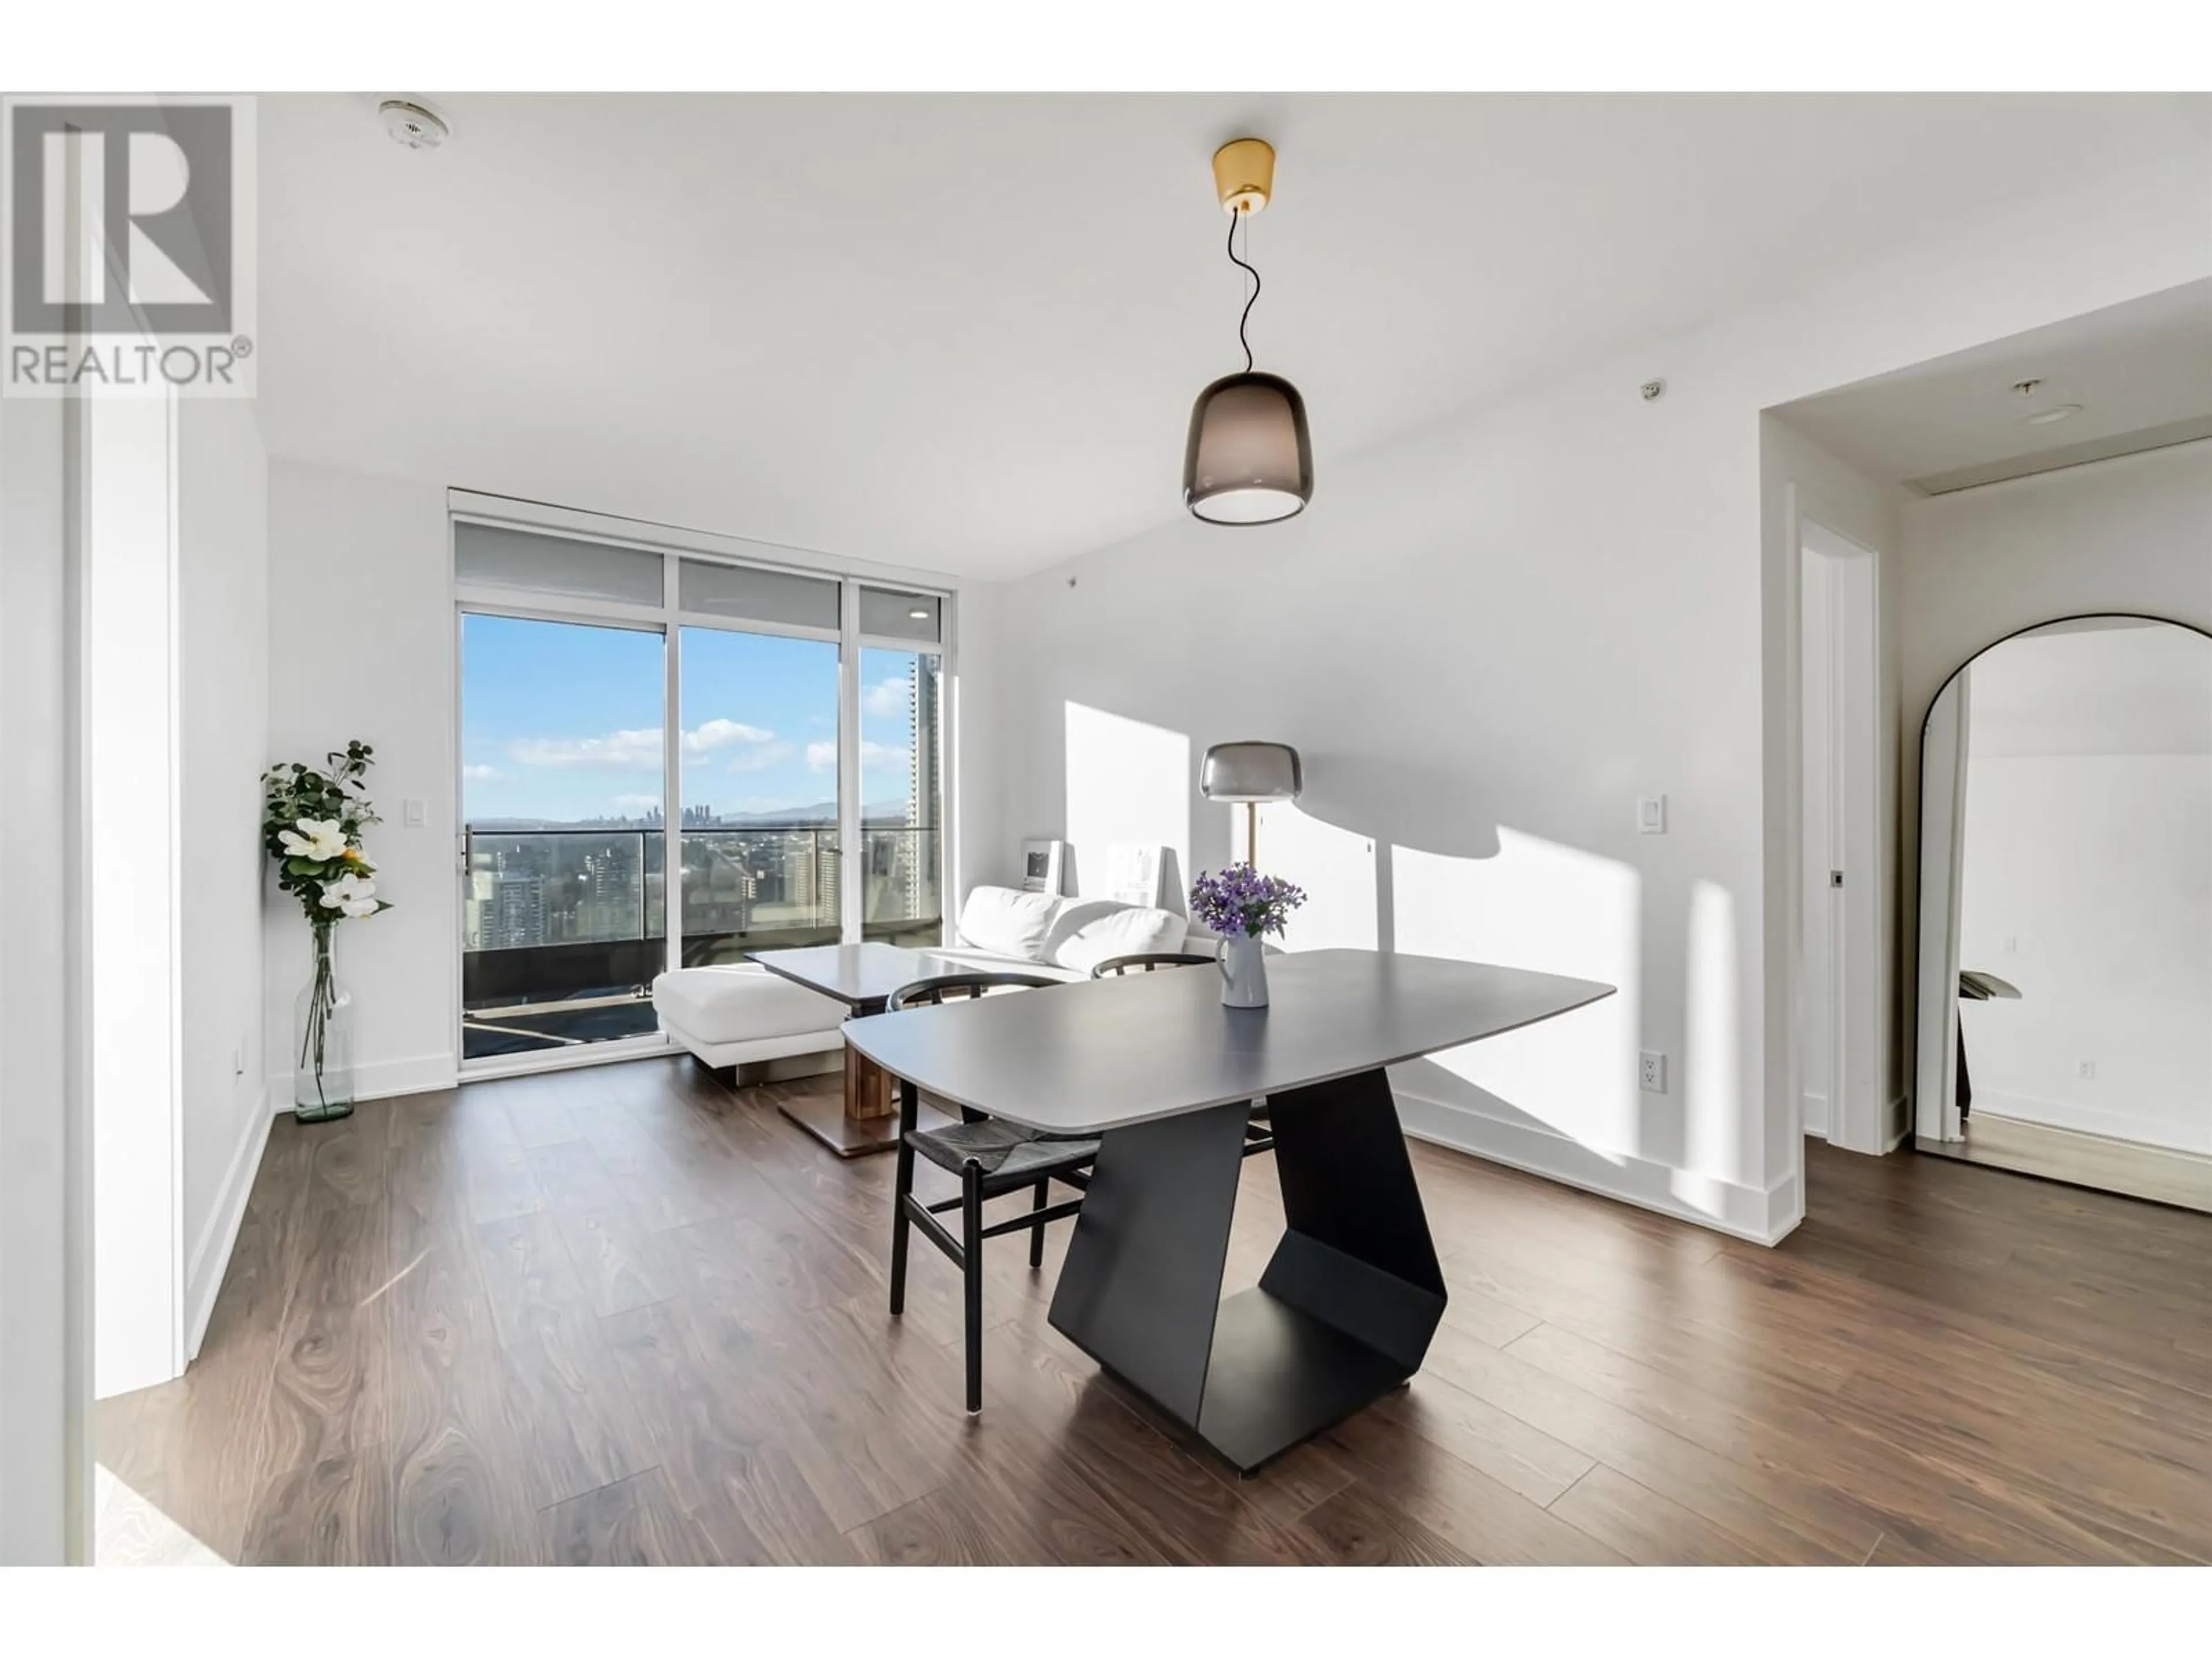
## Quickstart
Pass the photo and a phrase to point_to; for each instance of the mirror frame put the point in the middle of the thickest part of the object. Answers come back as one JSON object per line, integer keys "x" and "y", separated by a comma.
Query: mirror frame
{"x": 1923, "y": 993}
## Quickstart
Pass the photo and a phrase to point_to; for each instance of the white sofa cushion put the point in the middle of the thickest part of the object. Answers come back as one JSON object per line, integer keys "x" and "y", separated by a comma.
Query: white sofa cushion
{"x": 1089, "y": 931}
{"x": 1008, "y": 922}
{"x": 741, "y": 1003}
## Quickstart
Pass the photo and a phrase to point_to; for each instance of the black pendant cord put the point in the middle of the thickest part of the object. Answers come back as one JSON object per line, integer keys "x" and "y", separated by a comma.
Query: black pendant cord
{"x": 1234, "y": 220}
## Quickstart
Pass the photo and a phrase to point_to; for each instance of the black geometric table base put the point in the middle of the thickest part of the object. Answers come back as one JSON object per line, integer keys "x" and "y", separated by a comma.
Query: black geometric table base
{"x": 1343, "y": 1312}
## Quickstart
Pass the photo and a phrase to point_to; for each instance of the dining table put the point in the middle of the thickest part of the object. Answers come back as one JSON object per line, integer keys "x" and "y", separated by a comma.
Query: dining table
{"x": 1165, "y": 1077}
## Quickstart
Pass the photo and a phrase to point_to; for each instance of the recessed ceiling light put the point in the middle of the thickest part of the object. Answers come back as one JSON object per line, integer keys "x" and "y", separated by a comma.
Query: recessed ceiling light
{"x": 920, "y": 613}
{"x": 2056, "y": 412}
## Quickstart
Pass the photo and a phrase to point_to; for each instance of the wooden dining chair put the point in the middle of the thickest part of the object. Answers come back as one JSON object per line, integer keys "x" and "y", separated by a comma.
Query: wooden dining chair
{"x": 991, "y": 1157}
{"x": 1259, "y": 1133}
{"x": 1114, "y": 967}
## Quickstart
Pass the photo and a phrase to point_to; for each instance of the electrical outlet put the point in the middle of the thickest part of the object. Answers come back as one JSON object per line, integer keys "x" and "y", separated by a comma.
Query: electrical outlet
{"x": 2088, "y": 1069}
{"x": 1652, "y": 815}
{"x": 1652, "y": 1073}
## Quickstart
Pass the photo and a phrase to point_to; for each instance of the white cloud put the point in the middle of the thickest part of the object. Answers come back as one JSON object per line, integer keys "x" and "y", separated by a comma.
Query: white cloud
{"x": 712, "y": 735}
{"x": 761, "y": 757}
{"x": 822, "y": 755}
{"x": 887, "y": 698}
{"x": 639, "y": 747}
{"x": 475, "y": 773}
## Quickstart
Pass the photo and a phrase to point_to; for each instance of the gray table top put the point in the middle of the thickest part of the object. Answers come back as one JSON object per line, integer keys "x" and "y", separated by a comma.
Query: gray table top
{"x": 858, "y": 975}
{"x": 1101, "y": 1054}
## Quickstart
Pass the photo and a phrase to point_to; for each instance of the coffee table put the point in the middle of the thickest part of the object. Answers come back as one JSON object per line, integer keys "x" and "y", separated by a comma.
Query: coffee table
{"x": 863, "y": 977}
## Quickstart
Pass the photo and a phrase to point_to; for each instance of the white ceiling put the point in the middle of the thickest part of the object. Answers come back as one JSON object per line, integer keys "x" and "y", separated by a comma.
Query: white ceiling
{"x": 2134, "y": 688}
{"x": 2143, "y": 368}
{"x": 963, "y": 333}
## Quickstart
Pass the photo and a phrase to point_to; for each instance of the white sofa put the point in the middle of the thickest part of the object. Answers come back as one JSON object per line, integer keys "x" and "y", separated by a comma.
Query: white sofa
{"x": 1003, "y": 928}
{"x": 742, "y": 1015}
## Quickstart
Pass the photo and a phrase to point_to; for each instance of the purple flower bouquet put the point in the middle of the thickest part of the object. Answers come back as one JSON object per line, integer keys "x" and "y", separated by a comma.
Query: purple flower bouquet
{"x": 1240, "y": 900}
{"x": 1242, "y": 905}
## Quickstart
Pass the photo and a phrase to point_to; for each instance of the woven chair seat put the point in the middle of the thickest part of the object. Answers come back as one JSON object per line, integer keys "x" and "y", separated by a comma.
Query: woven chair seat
{"x": 1009, "y": 1155}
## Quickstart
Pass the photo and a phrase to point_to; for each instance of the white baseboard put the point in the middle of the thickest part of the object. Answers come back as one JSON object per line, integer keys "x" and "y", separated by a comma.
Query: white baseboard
{"x": 380, "y": 1080}
{"x": 210, "y": 1257}
{"x": 2129, "y": 1126}
{"x": 1762, "y": 1215}
{"x": 1813, "y": 1113}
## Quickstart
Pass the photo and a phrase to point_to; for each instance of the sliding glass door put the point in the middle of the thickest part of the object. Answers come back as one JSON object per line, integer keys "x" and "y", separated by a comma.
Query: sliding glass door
{"x": 797, "y": 796}
{"x": 564, "y": 917}
{"x": 902, "y": 800}
{"x": 762, "y": 858}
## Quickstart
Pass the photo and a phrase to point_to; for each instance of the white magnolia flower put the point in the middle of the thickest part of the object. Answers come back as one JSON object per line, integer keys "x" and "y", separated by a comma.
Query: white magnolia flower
{"x": 355, "y": 895}
{"x": 320, "y": 839}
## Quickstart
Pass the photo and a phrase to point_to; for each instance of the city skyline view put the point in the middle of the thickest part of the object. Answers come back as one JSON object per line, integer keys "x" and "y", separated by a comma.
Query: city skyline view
{"x": 561, "y": 724}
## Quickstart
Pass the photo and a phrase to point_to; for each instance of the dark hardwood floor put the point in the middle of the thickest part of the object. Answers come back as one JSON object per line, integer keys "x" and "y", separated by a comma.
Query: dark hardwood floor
{"x": 619, "y": 1315}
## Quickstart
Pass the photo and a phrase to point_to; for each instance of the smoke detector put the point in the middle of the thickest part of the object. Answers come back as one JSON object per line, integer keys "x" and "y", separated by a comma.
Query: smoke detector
{"x": 412, "y": 124}
{"x": 2048, "y": 413}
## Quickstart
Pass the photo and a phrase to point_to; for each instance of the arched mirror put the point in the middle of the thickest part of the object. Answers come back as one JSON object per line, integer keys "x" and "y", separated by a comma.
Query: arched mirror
{"x": 2065, "y": 971}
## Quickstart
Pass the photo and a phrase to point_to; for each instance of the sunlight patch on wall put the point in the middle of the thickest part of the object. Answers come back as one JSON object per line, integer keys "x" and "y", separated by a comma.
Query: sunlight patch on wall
{"x": 1556, "y": 910}
{"x": 1710, "y": 1085}
{"x": 1126, "y": 781}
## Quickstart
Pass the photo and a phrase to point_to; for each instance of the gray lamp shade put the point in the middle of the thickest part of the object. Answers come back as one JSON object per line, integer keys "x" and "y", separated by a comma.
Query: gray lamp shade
{"x": 1250, "y": 772}
{"x": 1250, "y": 460}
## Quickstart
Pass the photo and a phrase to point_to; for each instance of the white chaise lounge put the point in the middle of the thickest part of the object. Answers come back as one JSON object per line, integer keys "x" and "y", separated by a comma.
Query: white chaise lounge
{"x": 742, "y": 1015}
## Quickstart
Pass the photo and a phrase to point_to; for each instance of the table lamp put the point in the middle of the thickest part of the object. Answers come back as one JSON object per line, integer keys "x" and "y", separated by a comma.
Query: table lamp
{"x": 1251, "y": 773}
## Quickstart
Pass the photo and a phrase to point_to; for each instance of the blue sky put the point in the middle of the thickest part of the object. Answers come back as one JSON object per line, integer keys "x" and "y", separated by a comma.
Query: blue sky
{"x": 561, "y": 721}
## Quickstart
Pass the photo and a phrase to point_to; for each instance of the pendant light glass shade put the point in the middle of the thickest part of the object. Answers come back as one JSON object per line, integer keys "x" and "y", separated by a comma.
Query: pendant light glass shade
{"x": 1250, "y": 460}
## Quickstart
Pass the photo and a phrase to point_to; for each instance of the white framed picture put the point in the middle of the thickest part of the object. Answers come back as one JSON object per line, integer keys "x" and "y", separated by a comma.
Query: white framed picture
{"x": 1134, "y": 871}
{"x": 1044, "y": 867}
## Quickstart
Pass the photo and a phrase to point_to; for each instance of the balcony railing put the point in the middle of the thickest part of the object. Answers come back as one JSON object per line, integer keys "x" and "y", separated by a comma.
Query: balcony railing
{"x": 563, "y": 930}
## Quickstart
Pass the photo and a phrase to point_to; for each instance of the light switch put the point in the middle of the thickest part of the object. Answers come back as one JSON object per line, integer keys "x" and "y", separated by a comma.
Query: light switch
{"x": 414, "y": 813}
{"x": 1652, "y": 815}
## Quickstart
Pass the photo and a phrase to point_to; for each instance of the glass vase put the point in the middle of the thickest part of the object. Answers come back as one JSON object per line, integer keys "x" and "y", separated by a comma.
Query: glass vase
{"x": 322, "y": 1041}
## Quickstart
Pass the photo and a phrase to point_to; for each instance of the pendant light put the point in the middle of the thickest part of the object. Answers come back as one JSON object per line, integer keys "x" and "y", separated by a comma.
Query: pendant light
{"x": 1250, "y": 460}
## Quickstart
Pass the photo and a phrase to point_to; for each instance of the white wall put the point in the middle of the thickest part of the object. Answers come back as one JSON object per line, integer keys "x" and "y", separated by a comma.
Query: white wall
{"x": 361, "y": 645}
{"x": 2088, "y": 882}
{"x": 1489, "y": 638}
{"x": 978, "y": 777}
{"x": 2124, "y": 535}
{"x": 137, "y": 871}
{"x": 44, "y": 1361}
{"x": 222, "y": 631}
